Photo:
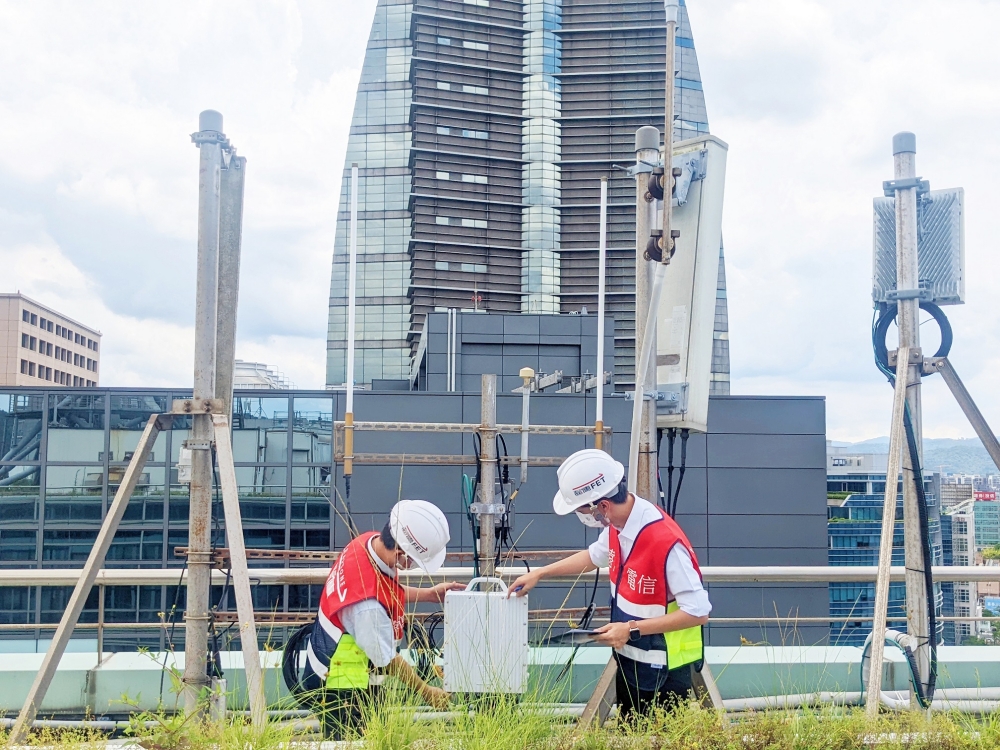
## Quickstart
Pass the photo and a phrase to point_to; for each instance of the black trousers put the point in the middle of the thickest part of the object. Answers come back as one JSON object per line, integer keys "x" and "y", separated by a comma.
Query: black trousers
{"x": 673, "y": 690}
{"x": 341, "y": 713}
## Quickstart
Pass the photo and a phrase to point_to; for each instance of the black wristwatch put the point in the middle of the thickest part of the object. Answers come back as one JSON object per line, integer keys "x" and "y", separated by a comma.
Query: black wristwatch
{"x": 633, "y": 631}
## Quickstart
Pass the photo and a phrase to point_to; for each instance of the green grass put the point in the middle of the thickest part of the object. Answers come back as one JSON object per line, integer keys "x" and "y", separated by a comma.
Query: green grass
{"x": 508, "y": 724}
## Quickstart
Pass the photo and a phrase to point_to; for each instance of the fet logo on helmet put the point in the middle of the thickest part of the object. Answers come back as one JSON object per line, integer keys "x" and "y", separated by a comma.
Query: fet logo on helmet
{"x": 584, "y": 478}
{"x": 587, "y": 487}
{"x": 413, "y": 540}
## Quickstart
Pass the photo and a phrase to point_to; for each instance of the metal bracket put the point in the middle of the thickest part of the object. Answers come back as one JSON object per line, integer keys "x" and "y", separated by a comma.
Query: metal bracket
{"x": 674, "y": 398}
{"x": 889, "y": 187}
{"x": 901, "y": 294}
{"x": 933, "y": 365}
{"x": 209, "y": 136}
{"x": 198, "y": 445}
{"x": 916, "y": 357}
{"x": 197, "y": 406}
{"x": 489, "y": 509}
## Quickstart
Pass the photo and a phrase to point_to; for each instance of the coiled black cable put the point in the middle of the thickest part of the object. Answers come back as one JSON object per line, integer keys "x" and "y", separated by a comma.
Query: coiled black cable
{"x": 885, "y": 314}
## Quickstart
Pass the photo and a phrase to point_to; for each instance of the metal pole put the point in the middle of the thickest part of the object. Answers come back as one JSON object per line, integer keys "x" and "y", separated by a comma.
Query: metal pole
{"x": 972, "y": 413}
{"x": 488, "y": 472}
{"x": 904, "y": 147}
{"x": 602, "y": 234}
{"x": 241, "y": 573}
{"x": 100, "y": 624}
{"x": 230, "y": 242}
{"x": 210, "y": 140}
{"x": 527, "y": 375}
{"x": 352, "y": 290}
{"x": 896, "y": 439}
{"x": 647, "y": 151}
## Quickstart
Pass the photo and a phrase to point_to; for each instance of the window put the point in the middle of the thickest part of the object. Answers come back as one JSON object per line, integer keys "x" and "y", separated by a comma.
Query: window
{"x": 442, "y": 220}
{"x": 77, "y": 339}
{"x": 478, "y": 134}
{"x": 443, "y": 130}
{"x": 481, "y": 90}
{"x": 444, "y": 40}
{"x": 41, "y": 323}
{"x": 442, "y": 175}
{"x": 24, "y": 367}
{"x": 25, "y": 339}
{"x": 483, "y": 3}
{"x": 90, "y": 343}
{"x": 25, "y": 316}
{"x": 32, "y": 342}
{"x": 474, "y": 267}
{"x": 441, "y": 265}
{"x": 477, "y": 178}
{"x": 31, "y": 368}
{"x": 48, "y": 326}
{"x": 476, "y": 45}
{"x": 95, "y": 346}
{"x": 48, "y": 349}
{"x": 474, "y": 223}
{"x": 48, "y": 372}
{"x": 34, "y": 319}
{"x": 76, "y": 381}
{"x": 444, "y": 86}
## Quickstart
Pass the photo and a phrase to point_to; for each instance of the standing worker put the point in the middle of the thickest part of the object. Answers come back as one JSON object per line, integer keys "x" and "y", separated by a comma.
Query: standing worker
{"x": 361, "y": 615}
{"x": 658, "y": 602}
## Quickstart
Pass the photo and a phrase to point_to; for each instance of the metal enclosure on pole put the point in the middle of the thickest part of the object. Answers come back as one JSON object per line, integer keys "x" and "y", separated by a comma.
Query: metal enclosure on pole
{"x": 904, "y": 147}
{"x": 602, "y": 234}
{"x": 487, "y": 511}
{"x": 210, "y": 140}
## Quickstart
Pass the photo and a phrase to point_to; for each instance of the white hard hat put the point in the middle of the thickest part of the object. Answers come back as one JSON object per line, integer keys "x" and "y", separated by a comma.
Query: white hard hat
{"x": 421, "y": 531}
{"x": 584, "y": 478}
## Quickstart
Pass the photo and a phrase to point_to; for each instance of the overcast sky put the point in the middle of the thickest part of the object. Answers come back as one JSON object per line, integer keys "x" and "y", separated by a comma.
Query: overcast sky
{"x": 98, "y": 178}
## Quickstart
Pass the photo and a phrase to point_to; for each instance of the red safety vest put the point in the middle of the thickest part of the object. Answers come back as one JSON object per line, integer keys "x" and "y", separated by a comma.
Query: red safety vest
{"x": 354, "y": 578}
{"x": 639, "y": 591}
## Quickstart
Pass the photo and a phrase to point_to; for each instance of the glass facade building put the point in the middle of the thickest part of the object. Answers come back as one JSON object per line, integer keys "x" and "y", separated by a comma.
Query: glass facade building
{"x": 64, "y": 455}
{"x": 481, "y": 130}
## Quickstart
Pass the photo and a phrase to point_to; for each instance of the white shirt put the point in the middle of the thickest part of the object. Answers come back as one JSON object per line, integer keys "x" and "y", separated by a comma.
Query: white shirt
{"x": 683, "y": 580}
{"x": 369, "y": 623}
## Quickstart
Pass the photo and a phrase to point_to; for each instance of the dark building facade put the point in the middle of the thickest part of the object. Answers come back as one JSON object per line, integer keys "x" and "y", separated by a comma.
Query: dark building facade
{"x": 481, "y": 130}
{"x": 753, "y": 494}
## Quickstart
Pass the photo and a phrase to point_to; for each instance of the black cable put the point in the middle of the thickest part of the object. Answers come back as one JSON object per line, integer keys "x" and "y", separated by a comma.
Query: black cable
{"x": 671, "y": 436}
{"x": 173, "y": 624}
{"x": 588, "y": 615}
{"x": 296, "y": 643}
{"x": 659, "y": 480}
{"x": 884, "y": 315}
{"x": 685, "y": 434}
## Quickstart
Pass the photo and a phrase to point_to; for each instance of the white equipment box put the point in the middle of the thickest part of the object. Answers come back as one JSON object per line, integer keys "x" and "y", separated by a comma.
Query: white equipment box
{"x": 485, "y": 639}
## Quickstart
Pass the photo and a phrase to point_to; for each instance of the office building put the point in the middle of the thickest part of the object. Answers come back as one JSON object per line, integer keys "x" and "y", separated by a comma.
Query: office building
{"x": 481, "y": 130}
{"x": 41, "y": 347}
{"x": 65, "y": 453}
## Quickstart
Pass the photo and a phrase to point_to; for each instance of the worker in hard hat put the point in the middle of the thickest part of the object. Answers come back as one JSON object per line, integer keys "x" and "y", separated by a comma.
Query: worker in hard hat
{"x": 361, "y": 615}
{"x": 658, "y": 601}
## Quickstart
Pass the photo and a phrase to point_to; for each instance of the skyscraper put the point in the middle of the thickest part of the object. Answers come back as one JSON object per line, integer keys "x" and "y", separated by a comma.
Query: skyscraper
{"x": 481, "y": 129}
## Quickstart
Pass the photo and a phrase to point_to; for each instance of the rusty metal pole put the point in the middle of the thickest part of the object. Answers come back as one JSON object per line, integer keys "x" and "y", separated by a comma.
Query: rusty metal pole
{"x": 488, "y": 472}
{"x": 904, "y": 147}
{"x": 210, "y": 140}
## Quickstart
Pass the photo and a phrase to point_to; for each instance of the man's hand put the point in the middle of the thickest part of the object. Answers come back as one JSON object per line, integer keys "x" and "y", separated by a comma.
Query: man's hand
{"x": 436, "y": 593}
{"x": 524, "y": 584}
{"x": 436, "y": 697}
{"x": 614, "y": 634}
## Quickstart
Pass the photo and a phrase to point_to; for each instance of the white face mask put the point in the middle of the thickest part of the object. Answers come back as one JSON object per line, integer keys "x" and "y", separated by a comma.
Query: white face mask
{"x": 588, "y": 520}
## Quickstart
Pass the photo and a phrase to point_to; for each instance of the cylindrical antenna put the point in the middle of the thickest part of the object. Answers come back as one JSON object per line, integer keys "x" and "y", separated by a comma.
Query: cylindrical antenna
{"x": 601, "y": 264}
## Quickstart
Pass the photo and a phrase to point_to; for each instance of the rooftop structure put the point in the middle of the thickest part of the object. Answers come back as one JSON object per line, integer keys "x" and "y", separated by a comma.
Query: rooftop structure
{"x": 39, "y": 346}
{"x": 259, "y": 376}
{"x": 481, "y": 131}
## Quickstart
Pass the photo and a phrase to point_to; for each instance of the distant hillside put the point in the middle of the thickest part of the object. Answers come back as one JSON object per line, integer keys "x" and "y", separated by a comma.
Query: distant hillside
{"x": 951, "y": 455}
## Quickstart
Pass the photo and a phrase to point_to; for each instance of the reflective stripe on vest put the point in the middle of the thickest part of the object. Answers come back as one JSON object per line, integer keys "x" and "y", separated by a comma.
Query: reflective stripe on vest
{"x": 681, "y": 647}
{"x": 348, "y": 666}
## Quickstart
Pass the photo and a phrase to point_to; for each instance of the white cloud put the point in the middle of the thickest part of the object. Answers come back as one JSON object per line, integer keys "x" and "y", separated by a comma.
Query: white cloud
{"x": 98, "y": 177}
{"x": 808, "y": 94}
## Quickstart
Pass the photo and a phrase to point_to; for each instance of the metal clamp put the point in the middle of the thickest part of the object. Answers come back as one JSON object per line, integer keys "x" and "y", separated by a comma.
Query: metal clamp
{"x": 197, "y": 406}
{"x": 916, "y": 357}
{"x": 209, "y": 136}
{"x": 903, "y": 294}
{"x": 889, "y": 187}
{"x": 489, "y": 509}
{"x": 198, "y": 445}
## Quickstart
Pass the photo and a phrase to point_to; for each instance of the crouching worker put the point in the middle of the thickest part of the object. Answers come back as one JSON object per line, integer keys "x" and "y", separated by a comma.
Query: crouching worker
{"x": 353, "y": 643}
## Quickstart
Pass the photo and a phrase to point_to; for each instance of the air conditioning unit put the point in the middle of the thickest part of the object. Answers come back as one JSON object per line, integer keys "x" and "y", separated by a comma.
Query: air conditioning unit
{"x": 485, "y": 639}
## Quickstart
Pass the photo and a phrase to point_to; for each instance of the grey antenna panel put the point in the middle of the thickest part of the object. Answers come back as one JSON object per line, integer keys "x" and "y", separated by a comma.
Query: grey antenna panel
{"x": 940, "y": 247}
